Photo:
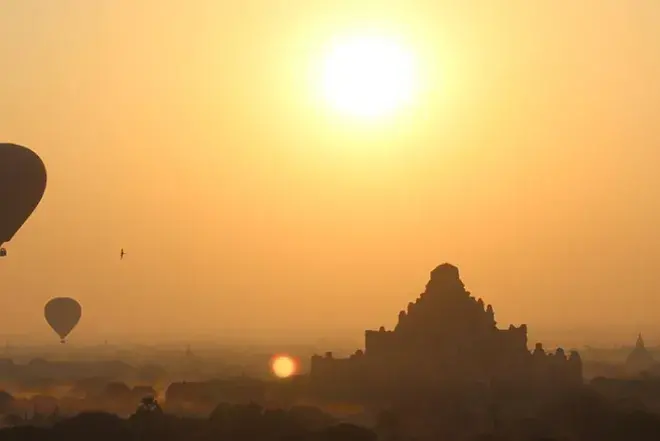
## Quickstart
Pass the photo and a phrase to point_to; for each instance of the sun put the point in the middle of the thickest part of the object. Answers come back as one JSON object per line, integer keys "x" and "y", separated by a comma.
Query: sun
{"x": 283, "y": 366}
{"x": 368, "y": 76}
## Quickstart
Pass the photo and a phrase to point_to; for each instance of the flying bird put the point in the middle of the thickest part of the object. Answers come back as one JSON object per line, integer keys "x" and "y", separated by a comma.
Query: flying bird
{"x": 121, "y": 254}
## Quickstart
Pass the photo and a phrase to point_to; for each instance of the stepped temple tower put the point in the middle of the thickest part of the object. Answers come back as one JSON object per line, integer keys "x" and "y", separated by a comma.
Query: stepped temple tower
{"x": 446, "y": 338}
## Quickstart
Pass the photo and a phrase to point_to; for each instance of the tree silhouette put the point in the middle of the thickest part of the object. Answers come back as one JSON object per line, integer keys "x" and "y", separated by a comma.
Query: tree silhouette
{"x": 149, "y": 405}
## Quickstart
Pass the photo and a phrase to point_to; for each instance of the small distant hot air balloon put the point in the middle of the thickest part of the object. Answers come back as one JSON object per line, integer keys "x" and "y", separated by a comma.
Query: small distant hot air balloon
{"x": 22, "y": 185}
{"x": 63, "y": 314}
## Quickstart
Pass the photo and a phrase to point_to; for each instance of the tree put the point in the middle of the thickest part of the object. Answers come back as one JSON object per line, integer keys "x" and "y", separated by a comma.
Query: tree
{"x": 6, "y": 402}
{"x": 149, "y": 405}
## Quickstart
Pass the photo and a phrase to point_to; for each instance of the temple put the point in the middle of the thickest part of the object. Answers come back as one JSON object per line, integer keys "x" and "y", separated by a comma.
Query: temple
{"x": 445, "y": 338}
{"x": 640, "y": 359}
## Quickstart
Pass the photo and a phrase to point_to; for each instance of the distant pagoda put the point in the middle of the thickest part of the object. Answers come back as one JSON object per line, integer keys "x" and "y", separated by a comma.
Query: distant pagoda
{"x": 640, "y": 359}
{"x": 446, "y": 338}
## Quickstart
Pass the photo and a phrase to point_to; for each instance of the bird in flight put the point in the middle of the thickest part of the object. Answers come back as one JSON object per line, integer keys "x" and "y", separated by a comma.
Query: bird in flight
{"x": 121, "y": 254}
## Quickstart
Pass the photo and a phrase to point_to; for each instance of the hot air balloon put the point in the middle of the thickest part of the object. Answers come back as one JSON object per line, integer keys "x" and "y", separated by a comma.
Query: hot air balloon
{"x": 22, "y": 185}
{"x": 63, "y": 314}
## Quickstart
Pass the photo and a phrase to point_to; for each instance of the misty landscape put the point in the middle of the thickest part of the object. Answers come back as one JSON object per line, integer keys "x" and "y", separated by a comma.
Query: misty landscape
{"x": 319, "y": 221}
{"x": 445, "y": 371}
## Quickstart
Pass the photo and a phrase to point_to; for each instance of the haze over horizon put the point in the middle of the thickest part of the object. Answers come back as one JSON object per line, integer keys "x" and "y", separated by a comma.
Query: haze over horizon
{"x": 193, "y": 135}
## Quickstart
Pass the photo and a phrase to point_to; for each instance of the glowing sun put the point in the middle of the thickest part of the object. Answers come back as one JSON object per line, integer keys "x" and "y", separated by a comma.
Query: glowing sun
{"x": 283, "y": 366}
{"x": 368, "y": 76}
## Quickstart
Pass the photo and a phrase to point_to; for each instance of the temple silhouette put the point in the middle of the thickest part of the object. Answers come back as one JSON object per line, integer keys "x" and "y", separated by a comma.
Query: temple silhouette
{"x": 640, "y": 359}
{"x": 446, "y": 338}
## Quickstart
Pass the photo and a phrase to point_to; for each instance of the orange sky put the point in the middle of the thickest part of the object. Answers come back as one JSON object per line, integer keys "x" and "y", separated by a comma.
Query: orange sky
{"x": 190, "y": 133}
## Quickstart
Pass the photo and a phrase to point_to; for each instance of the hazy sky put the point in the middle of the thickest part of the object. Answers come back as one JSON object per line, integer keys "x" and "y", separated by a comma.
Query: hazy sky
{"x": 191, "y": 133}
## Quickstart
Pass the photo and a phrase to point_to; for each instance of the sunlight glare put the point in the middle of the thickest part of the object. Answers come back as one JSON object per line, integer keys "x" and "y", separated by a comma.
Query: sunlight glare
{"x": 283, "y": 366}
{"x": 368, "y": 76}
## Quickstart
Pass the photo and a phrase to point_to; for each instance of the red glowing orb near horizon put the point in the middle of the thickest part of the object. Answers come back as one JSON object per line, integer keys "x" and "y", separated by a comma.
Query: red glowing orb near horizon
{"x": 283, "y": 366}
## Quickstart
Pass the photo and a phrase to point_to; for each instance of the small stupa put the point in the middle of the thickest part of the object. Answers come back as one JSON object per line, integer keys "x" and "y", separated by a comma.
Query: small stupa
{"x": 639, "y": 359}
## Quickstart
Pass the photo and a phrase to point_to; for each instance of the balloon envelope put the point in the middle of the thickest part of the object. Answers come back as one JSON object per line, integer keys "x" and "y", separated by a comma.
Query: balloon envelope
{"x": 63, "y": 314}
{"x": 22, "y": 185}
